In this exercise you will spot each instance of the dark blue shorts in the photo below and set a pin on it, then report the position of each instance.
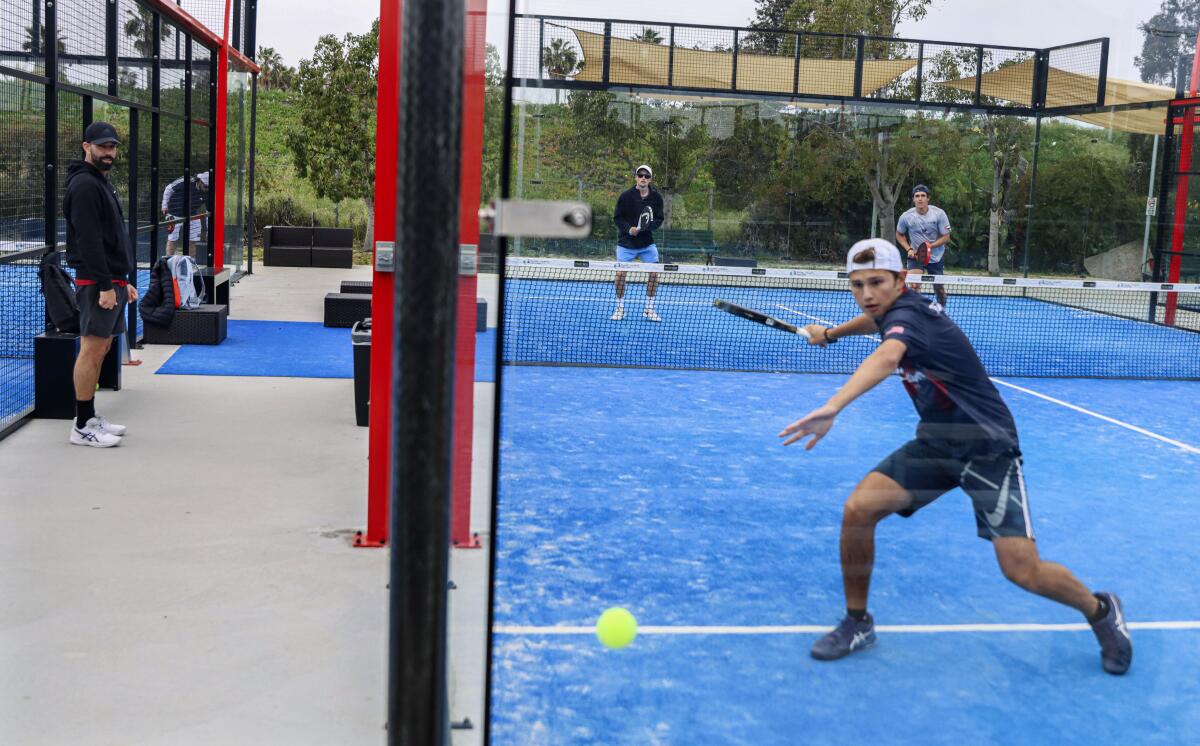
(933, 268)
(95, 321)
(995, 484)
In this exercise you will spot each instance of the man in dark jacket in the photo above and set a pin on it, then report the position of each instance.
(99, 249)
(639, 213)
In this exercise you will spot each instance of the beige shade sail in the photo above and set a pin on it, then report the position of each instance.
(1066, 88)
(642, 63)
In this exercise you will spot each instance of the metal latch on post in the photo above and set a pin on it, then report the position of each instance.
(468, 260)
(536, 218)
(385, 256)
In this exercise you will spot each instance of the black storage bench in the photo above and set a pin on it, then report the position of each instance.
(54, 373)
(333, 248)
(343, 309)
(356, 286)
(206, 325)
(287, 246)
(732, 261)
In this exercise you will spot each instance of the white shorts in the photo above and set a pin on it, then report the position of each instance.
(193, 232)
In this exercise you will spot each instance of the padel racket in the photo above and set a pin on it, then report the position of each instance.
(760, 318)
(923, 254)
(646, 218)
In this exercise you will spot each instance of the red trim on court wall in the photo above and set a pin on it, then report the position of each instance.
(387, 122)
(468, 234)
(192, 27)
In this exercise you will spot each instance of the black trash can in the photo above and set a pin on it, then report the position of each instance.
(360, 337)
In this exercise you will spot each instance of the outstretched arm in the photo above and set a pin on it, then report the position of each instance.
(861, 324)
(878, 366)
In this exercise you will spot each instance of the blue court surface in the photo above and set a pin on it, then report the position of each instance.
(294, 349)
(667, 492)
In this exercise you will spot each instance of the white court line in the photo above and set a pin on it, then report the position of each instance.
(1140, 430)
(1097, 415)
(812, 629)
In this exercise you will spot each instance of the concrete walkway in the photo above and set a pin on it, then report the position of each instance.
(196, 585)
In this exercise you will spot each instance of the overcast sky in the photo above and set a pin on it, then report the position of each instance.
(293, 26)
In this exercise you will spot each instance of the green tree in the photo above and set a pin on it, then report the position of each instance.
(139, 26)
(648, 36)
(560, 59)
(493, 124)
(1004, 137)
(1170, 34)
(274, 75)
(333, 143)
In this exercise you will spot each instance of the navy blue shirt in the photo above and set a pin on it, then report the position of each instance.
(961, 411)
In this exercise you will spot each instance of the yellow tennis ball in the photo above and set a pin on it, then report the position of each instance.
(616, 628)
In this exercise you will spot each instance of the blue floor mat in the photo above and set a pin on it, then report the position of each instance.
(292, 349)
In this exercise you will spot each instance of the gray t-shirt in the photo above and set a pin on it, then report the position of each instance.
(928, 227)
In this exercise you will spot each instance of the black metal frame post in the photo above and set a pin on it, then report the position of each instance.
(506, 169)
(210, 252)
(185, 228)
(50, 193)
(427, 213)
(250, 36)
(110, 44)
(733, 72)
(155, 136)
(131, 150)
(249, 221)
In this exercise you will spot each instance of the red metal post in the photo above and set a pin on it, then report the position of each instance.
(216, 233)
(382, 290)
(468, 229)
(1182, 185)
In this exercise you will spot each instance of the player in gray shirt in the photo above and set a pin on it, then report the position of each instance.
(923, 231)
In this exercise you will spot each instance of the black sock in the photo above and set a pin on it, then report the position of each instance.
(858, 614)
(84, 411)
(1101, 610)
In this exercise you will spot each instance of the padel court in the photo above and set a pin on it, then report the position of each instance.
(673, 497)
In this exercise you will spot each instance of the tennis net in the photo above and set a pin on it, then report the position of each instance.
(557, 312)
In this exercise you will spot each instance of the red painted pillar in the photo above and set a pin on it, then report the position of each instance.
(383, 287)
(468, 229)
(216, 233)
(1182, 184)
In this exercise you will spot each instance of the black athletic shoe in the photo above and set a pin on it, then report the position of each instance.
(1116, 647)
(849, 636)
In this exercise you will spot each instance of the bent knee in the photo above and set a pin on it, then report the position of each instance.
(1022, 574)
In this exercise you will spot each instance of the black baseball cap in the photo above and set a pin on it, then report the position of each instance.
(920, 188)
(101, 133)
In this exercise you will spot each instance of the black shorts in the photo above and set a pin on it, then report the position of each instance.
(995, 484)
(95, 321)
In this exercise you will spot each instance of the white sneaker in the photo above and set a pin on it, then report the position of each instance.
(618, 314)
(651, 315)
(111, 428)
(92, 435)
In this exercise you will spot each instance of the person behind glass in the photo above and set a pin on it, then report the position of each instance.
(99, 249)
(173, 206)
(639, 213)
(923, 231)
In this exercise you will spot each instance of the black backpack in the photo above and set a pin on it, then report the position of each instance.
(59, 289)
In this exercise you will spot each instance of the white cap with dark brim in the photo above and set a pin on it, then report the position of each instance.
(645, 168)
(887, 256)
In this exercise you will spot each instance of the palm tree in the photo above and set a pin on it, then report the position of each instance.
(560, 60)
(648, 36)
(35, 40)
(274, 75)
(139, 26)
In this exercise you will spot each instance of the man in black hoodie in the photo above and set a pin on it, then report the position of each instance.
(99, 250)
(638, 214)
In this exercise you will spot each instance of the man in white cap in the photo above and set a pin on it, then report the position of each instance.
(966, 439)
(639, 213)
(173, 207)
